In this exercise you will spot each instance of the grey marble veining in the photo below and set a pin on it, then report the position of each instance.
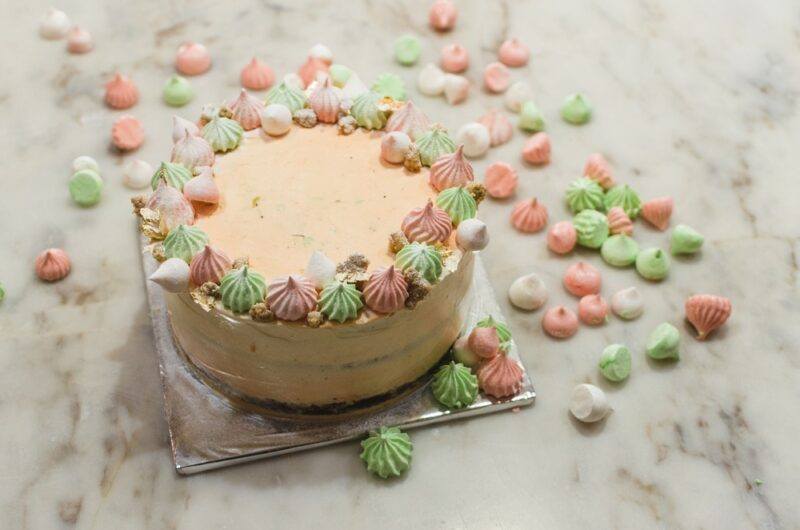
(695, 100)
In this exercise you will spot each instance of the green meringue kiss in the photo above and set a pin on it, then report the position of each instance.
(433, 144)
(652, 264)
(184, 242)
(576, 109)
(421, 257)
(390, 85)
(685, 240)
(339, 74)
(174, 174)
(458, 203)
(624, 197)
(615, 363)
(455, 386)
(86, 187)
(663, 342)
(592, 228)
(283, 94)
(407, 50)
(584, 194)
(366, 111)
(619, 250)
(224, 134)
(241, 289)
(387, 452)
(178, 91)
(531, 118)
(340, 301)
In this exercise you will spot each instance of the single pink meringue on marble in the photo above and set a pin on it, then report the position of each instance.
(499, 126)
(257, 75)
(192, 59)
(484, 342)
(560, 322)
(121, 92)
(561, 237)
(442, 15)
(592, 310)
(246, 109)
(513, 53)
(451, 170)
(454, 58)
(619, 222)
(192, 151)
(496, 77)
(386, 290)
(325, 102)
(500, 376)
(127, 133)
(291, 297)
(429, 224)
(408, 119)
(658, 211)
(707, 312)
(202, 189)
(308, 70)
(598, 169)
(529, 216)
(79, 40)
(181, 125)
(582, 278)
(536, 150)
(173, 207)
(209, 265)
(52, 265)
(500, 180)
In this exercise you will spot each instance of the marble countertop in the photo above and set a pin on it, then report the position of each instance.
(695, 100)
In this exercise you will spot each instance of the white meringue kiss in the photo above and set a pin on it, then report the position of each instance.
(180, 126)
(628, 303)
(394, 146)
(136, 174)
(528, 292)
(472, 234)
(54, 24)
(172, 275)
(588, 403)
(320, 269)
(456, 88)
(517, 94)
(276, 119)
(475, 138)
(431, 80)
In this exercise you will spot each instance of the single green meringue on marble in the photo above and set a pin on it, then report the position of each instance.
(387, 452)
(224, 134)
(367, 112)
(421, 257)
(576, 109)
(340, 301)
(85, 187)
(241, 289)
(433, 144)
(287, 96)
(685, 240)
(619, 250)
(2, 292)
(455, 386)
(531, 118)
(177, 91)
(592, 228)
(184, 242)
(503, 331)
(663, 342)
(458, 202)
(584, 194)
(652, 264)
(339, 74)
(174, 174)
(615, 362)
(390, 85)
(407, 50)
(624, 197)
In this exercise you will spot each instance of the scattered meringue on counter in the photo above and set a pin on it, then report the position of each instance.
(500, 180)
(685, 240)
(192, 58)
(136, 174)
(513, 53)
(54, 24)
(85, 162)
(518, 93)
(593, 310)
(172, 275)
(664, 342)
(79, 40)
(560, 322)
(561, 237)
(619, 222)
(472, 234)
(127, 133)
(615, 363)
(582, 279)
(442, 15)
(121, 92)
(484, 342)
(407, 50)
(528, 292)
(431, 80)
(85, 187)
(52, 265)
(627, 304)
(576, 109)
(657, 212)
(454, 58)
(257, 75)
(652, 264)
(706, 313)
(321, 52)
(177, 91)
(456, 88)
(529, 216)
(496, 77)
(588, 403)
(499, 126)
(474, 137)
(536, 149)
(598, 169)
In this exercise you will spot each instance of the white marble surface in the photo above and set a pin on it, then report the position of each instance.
(694, 99)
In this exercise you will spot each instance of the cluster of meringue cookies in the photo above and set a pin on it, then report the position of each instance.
(56, 25)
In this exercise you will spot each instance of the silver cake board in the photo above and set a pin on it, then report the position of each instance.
(208, 430)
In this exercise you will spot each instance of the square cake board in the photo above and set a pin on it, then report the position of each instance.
(207, 431)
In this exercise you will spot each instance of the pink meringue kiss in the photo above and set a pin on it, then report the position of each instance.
(246, 109)
(291, 297)
(560, 322)
(79, 40)
(529, 216)
(513, 53)
(619, 222)
(192, 151)
(581, 279)
(484, 342)
(454, 58)
(707, 312)
(121, 93)
(408, 119)
(429, 224)
(561, 237)
(52, 265)
(536, 150)
(174, 208)
(598, 169)
(500, 180)
(209, 265)
(442, 15)
(127, 133)
(308, 70)
(451, 170)
(658, 211)
(496, 77)
(386, 290)
(192, 59)
(500, 377)
(593, 310)
(499, 127)
(257, 75)
(325, 102)
(202, 189)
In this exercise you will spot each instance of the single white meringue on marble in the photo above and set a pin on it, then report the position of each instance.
(475, 138)
(353, 88)
(517, 94)
(320, 269)
(276, 119)
(54, 24)
(472, 234)
(180, 126)
(172, 275)
(628, 303)
(431, 80)
(321, 52)
(137, 174)
(528, 292)
(456, 88)
(394, 146)
(293, 80)
(588, 403)
(85, 162)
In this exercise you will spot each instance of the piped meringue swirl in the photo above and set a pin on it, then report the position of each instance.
(429, 224)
